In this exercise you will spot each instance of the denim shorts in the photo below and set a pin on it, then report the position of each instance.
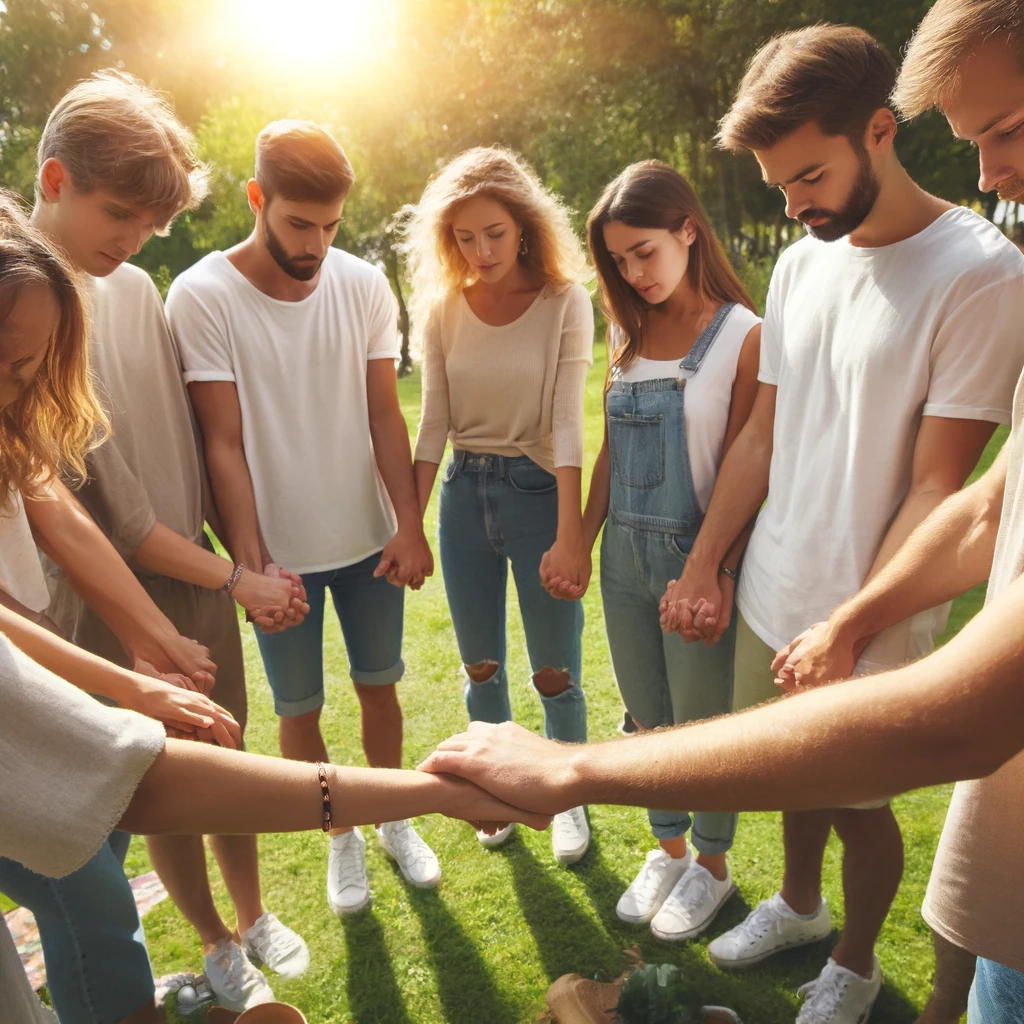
(370, 611)
(97, 966)
(997, 995)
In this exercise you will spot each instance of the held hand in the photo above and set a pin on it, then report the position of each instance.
(268, 599)
(461, 799)
(818, 656)
(173, 653)
(276, 619)
(185, 711)
(511, 763)
(565, 570)
(693, 604)
(406, 559)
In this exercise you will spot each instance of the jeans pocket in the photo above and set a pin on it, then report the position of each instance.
(449, 471)
(679, 545)
(637, 446)
(529, 478)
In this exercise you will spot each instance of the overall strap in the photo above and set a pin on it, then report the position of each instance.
(693, 359)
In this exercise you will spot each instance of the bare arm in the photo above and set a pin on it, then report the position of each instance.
(406, 558)
(174, 706)
(957, 714)
(270, 794)
(102, 579)
(944, 555)
(425, 474)
(599, 497)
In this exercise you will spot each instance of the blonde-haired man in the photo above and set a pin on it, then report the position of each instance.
(115, 167)
(289, 347)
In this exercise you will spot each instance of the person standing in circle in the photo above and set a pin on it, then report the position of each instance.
(684, 342)
(507, 337)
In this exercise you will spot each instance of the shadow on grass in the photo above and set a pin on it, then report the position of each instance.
(464, 983)
(568, 940)
(603, 885)
(371, 986)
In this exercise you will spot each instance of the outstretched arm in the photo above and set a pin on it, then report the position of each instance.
(957, 714)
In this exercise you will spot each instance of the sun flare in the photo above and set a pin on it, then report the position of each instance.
(308, 37)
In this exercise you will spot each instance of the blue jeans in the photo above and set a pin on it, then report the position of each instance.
(496, 510)
(371, 613)
(997, 995)
(97, 966)
(663, 680)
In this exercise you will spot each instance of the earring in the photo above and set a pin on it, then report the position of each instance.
(524, 249)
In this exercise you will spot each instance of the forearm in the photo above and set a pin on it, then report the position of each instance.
(169, 554)
(82, 669)
(598, 499)
(236, 502)
(570, 516)
(954, 715)
(943, 557)
(267, 794)
(740, 490)
(425, 473)
(391, 450)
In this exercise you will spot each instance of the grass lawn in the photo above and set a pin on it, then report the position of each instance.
(485, 945)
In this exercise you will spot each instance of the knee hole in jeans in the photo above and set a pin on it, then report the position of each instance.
(482, 671)
(551, 682)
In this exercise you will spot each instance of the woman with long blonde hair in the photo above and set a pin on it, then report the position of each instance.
(506, 332)
(684, 342)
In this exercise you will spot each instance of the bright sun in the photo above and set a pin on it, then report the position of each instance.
(301, 35)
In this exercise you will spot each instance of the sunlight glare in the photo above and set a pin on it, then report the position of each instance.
(303, 35)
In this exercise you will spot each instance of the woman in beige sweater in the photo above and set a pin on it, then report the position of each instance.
(507, 336)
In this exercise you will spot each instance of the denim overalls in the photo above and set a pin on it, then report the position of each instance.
(653, 518)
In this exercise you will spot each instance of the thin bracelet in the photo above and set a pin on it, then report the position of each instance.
(325, 793)
(236, 575)
(731, 573)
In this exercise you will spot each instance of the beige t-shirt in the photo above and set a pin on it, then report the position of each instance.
(69, 766)
(511, 390)
(975, 896)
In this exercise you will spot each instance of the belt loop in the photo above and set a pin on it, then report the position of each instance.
(501, 467)
(460, 459)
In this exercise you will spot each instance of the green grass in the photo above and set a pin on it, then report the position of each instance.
(484, 946)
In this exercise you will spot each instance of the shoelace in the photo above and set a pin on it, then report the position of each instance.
(408, 845)
(233, 969)
(822, 997)
(696, 886)
(760, 920)
(569, 824)
(649, 881)
(272, 940)
(350, 864)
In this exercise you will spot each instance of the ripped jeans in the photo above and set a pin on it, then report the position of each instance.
(495, 511)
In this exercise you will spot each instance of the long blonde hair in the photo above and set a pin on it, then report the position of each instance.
(551, 251)
(57, 420)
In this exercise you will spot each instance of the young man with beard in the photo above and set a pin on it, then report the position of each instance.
(890, 347)
(115, 167)
(289, 349)
(967, 58)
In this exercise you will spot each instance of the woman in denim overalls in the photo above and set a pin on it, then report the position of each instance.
(684, 346)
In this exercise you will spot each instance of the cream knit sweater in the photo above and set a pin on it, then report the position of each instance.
(511, 390)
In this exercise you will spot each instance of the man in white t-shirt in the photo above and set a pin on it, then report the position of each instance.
(889, 351)
(289, 348)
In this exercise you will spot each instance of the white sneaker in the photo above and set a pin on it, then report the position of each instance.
(772, 926)
(416, 860)
(839, 996)
(649, 890)
(692, 905)
(498, 838)
(348, 888)
(235, 982)
(570, 835)
(282, 950)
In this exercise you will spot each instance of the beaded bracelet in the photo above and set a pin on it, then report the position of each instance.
(325, 793)
(236, 575)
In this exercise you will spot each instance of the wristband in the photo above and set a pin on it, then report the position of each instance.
(236, 575)
(325, 794)
(733, 574)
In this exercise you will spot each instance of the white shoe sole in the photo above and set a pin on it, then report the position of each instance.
(759, 958)
(698, 929)
(636, 919)
(347, 910)
(567, 857)
(492, 842)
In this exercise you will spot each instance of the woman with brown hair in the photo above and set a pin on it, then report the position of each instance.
(683, 345)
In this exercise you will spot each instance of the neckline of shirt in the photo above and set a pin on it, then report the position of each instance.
(284, 303)
(501, 327)
(867, 251)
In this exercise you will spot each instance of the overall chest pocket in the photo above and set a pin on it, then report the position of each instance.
(637, 446)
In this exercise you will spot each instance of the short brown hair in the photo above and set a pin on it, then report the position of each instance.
(946, 37)
(111, 132)
(300, 161)
(835, 75)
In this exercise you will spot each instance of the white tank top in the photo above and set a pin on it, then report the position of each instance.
(707, 398)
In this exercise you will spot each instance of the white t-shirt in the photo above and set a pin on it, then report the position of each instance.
(861, 344)
(707, 398)
(300, 368)
(21, 572)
